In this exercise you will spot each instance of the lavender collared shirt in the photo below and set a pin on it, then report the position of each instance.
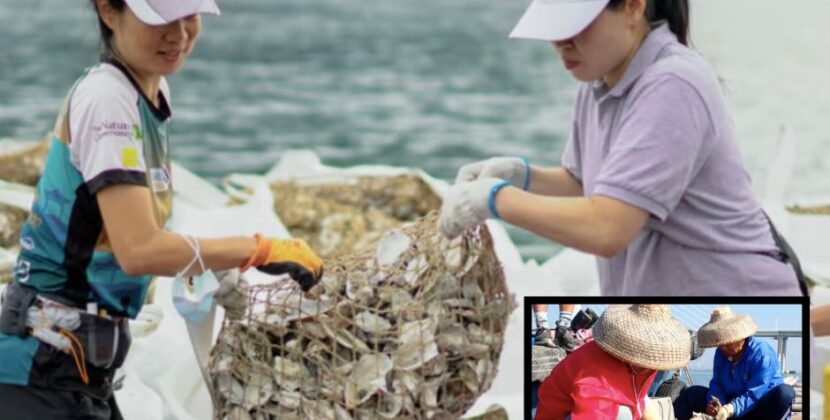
(662, 140)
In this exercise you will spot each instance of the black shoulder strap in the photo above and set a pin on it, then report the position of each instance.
(788, 255)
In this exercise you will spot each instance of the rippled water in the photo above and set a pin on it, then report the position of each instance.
(428, 83)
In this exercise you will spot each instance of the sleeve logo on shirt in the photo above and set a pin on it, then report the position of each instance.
(159, 179)
(112, 129)
(129, 157)
(137, 134)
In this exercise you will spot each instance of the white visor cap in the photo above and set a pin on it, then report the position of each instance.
(162, 12)
(557, 20)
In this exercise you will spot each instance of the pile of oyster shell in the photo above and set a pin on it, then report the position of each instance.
(812, 210)
(412, 328)
(340, 218)
(11, 221)
(22, 161)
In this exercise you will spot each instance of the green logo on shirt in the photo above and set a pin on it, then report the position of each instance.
(137, 135)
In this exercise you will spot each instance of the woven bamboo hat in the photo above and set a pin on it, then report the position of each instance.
(644, 335)
(724, 327)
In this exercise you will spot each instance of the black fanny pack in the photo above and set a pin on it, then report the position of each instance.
(103, 342)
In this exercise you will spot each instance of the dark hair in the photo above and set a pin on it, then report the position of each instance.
(106, 32)
(676, 12)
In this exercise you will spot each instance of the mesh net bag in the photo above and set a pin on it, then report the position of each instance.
(409, 328)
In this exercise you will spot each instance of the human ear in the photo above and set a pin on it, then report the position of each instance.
(636, 10)
(106, 13)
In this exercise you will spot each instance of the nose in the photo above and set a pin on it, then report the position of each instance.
(176, 31)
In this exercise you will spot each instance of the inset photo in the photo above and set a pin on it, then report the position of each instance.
(656, 361)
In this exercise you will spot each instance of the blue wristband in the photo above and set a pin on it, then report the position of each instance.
(527, 174)
(492, 201)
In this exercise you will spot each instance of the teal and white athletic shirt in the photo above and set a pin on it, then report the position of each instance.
(108, 132)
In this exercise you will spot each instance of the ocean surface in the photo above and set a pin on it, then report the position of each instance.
(430, 83)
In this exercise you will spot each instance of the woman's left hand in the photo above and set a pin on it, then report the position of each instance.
(468, 204)
(725, 412)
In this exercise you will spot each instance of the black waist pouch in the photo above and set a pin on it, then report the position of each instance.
(106, 342)
(16, 302)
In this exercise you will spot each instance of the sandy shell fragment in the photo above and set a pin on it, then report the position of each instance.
(472, 291)
(485, 371)
(307, 309)
(372, 323)
(469, 376)
(480, 335)
(405, 382)
(452, 339)
(238, 413)
(347, 339)
(289, 374)
(368, 377)
(317, 409)
(415, 269)
(259, 389)
(454, 255)
(389, 405)
(458, 303)
(254, 394)
(391, 246)
(435, 367)
(287, 399)
(417, 331)
(414, 354)
(429, 395)
(341, 413)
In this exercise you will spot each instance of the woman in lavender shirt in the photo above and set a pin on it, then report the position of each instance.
(652, 181)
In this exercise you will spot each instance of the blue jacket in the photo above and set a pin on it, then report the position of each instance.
(756, 373)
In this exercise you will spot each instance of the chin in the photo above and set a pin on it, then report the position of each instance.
(167, 69)
(583, 76)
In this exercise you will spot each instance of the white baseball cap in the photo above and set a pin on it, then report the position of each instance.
(555, 20)
(162, 12)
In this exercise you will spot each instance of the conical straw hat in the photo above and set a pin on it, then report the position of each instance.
(644, 335)
(725, 327)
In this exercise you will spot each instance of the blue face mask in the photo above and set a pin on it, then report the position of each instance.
(194, 305)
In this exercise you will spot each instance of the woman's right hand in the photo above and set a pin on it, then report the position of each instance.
(514, 170)
(287, 256)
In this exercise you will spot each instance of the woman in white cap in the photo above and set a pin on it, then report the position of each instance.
(746, 377)
(652, 180)
(96, 232)
(609, 378)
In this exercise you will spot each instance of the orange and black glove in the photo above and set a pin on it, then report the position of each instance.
(286, 256)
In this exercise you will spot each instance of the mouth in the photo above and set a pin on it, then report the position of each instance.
(171, 56)
(570, 64)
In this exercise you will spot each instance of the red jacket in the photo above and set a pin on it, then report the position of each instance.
(590, 384)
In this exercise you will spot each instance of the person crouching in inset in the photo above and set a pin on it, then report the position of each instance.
(746, 377)
(609, 378)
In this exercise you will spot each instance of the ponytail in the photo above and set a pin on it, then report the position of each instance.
(675, 12)
(106, 32)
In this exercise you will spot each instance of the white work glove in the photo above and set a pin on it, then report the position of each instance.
(468, 205)
(147, 320)
(514, 170)
(726, 411)
(232, 293)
